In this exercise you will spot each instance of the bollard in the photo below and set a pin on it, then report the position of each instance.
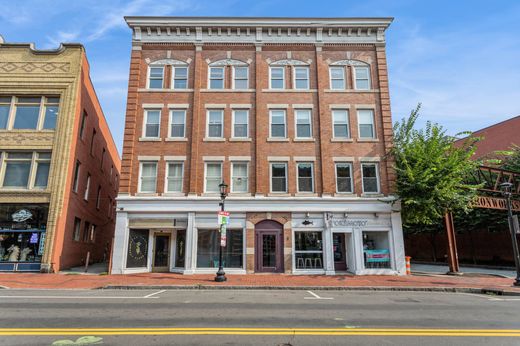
(408, 266)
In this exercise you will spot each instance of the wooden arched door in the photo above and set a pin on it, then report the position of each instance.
(269, 247)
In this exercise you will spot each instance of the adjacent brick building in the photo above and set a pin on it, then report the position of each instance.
(292, 113)
(59, 166)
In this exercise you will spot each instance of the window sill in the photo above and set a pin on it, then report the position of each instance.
(227, 90)
(172, 139)
(239, 194)
(173, 194)
(339, 140)
(145, 139)
(367, 140)
(351, 91)
(147, 194)
(306, 194)
(209, 139)
(345, 194)
(240, 139)
(270, 139)
(279, 194)
(164, 90)
(304, 140)
(372, 195)
(210, 194)
(289, 90)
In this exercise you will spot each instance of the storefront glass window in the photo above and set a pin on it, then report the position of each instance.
(137, 256)
(376, 250)
(208, 243)
(308, 249)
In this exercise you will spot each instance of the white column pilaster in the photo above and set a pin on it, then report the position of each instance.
(120, 243)
(191, 251)
(398, 242)
(328, 252)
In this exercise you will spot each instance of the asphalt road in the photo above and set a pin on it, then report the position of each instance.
(255, 317)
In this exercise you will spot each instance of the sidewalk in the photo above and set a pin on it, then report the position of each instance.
(268, 281)
(443, 269)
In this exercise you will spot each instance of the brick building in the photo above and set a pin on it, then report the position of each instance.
(292, 113)
(59, 166)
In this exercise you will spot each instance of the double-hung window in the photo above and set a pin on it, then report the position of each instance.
(239, 177)
(240, 77)
(180, 77)
(87, 188)
(51, 112)
(174, 177)
(240, 123)
(177, 123)
(43, 165)
(370, 177)
(216, 77)
(27, 113)
(77, 170)
(215, 123)
(340, 123)
(213, 177)
(5, 108)
(301, 77)
(152, 123)
(277, 78)
(305, 177)
(278, 127)
(362, 80)
(77, 229)
(279, 177)
(303, 123)
(25, 170)
(337, 78)
(83, 125)
(366, 123)
(344, 177)
(156, 77)
(98, 197)
(148, 179)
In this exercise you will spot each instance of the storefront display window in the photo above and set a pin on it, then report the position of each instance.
(376, 250)
(137, 256)
(308, 249)
(208, 243)
(22, 235)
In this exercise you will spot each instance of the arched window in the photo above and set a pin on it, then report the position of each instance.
(299, 71)
(179, 74)
(360, 72)
(239, 74)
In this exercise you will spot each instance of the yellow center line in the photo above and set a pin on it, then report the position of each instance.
(263, 331)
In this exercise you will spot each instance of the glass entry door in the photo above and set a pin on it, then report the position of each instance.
(269, 247)
(161, 254)
(339, 250)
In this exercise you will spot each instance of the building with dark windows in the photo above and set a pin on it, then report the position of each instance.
(292, 113)
(59, 166)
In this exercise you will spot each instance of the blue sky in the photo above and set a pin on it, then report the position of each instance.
(460, 59)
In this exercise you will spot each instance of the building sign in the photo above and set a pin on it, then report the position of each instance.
(22, 215)
(377, 256)
(223, 217)
(137, 255)
(345, 222)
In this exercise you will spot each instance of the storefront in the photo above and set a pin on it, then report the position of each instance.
(22, 236)
(160, 237)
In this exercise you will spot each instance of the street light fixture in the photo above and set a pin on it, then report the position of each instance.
(507, 192)
(221, 275)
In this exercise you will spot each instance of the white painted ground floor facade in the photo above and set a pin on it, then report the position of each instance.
(312, 235)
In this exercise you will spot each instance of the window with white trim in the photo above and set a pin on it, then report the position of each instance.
(51, 107)
(240, 123)
(152, 123)
(308, 249)
(279, 177)
(239, 177)
(174, 177)
(278, 124)
(5, 109)
(303, 123)
(213, 177)
(337, 77)
(340, 123)
(277, 77)
(177, 123)
(305, 177)
(370, 177)
(344, 177)
(366, 123)
(180, 77)
(301, 77)
(215, 123)
(362, 80)
(29, 112)
(156, 77)
(25, 170)
(87, 188)
(240, 77)
(148, 177)
(216, 77)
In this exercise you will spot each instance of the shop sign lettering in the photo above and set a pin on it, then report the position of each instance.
(21, 215)
(349, 223)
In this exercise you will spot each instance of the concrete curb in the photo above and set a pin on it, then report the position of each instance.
(494, 291)
(468, 275)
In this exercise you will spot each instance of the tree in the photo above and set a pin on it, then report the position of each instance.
(431, 171)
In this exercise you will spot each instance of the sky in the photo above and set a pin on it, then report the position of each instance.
(459, 59)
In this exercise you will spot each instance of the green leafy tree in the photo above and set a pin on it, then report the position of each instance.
(431, 172)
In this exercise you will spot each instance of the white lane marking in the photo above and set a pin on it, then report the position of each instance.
(151, 295)
(315, 296)
(72, 297)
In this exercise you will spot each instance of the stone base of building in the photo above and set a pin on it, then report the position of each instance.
(322, 236)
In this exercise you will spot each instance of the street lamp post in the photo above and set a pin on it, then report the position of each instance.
(506, 191)
(221, 275)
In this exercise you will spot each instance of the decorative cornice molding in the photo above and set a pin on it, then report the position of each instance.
(34, 67)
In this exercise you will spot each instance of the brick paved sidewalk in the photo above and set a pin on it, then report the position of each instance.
(437, 282)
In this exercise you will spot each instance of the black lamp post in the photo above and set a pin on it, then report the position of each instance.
(221, 276)
(506, 191)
